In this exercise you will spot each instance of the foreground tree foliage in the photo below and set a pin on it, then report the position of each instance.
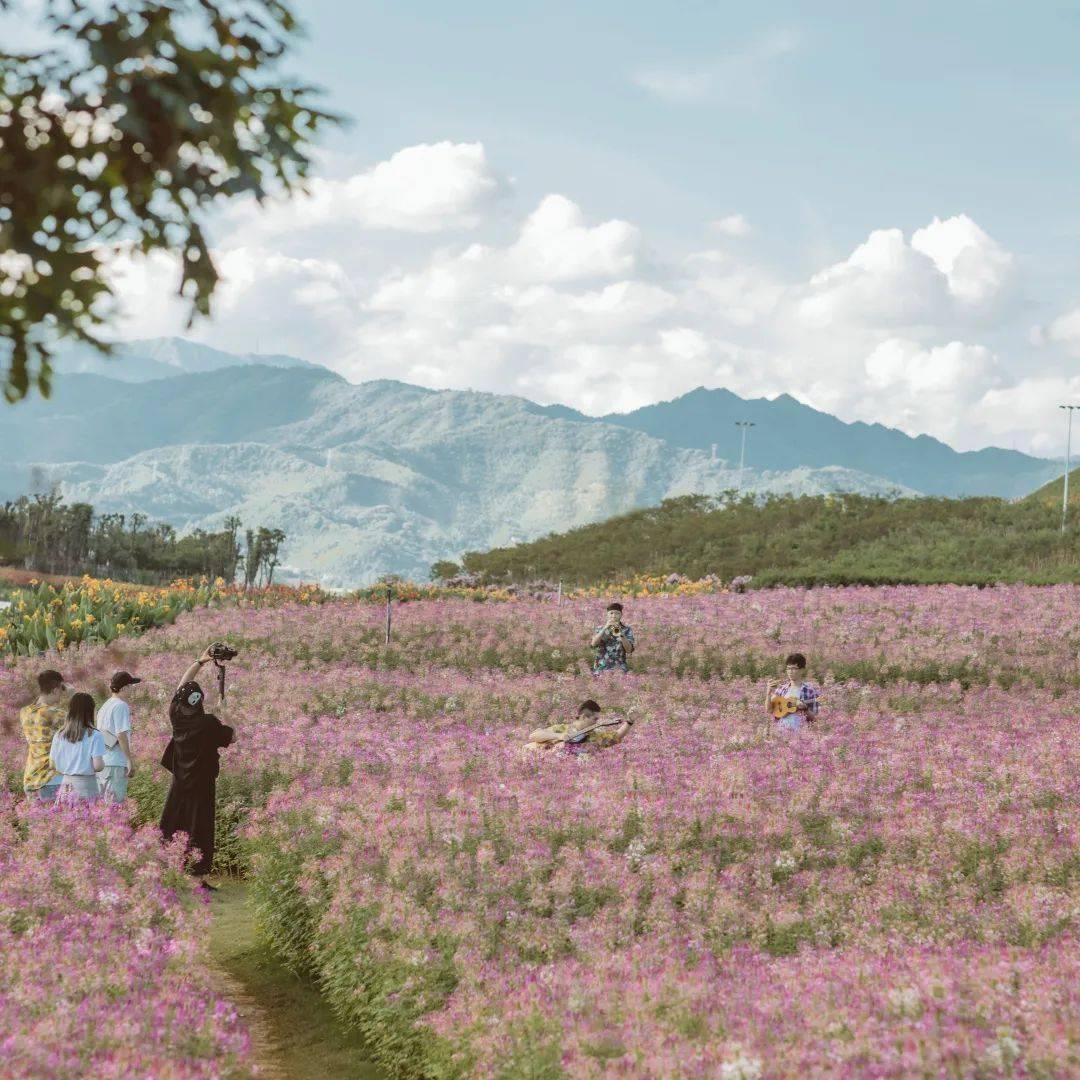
(118, 141)
(831, 539)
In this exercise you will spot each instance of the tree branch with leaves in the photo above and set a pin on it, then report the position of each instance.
(119, 141)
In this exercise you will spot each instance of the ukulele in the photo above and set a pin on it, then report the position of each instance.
(785, 706)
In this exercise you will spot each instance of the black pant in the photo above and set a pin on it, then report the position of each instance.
(191, 810)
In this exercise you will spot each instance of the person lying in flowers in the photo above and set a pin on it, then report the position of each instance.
(613, 642)
(586, 733)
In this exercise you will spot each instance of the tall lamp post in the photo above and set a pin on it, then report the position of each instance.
(1069, 409)
(745, 425)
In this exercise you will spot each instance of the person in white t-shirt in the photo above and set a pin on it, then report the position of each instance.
(114, 723)
(77, 752)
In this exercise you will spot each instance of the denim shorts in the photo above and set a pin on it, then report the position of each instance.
(47, 792)
(113, 781)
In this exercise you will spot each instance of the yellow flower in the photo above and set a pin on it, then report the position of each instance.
(76, 624)
(3, 632)
(90, 620)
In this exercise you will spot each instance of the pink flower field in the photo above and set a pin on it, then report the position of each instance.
(99, 937)
(889, 893)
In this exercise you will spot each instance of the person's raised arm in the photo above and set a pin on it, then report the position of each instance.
(620, 732)
(598, 638)
(195, 668)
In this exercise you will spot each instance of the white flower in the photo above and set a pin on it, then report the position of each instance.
(635, 852)
(1004, 1052)
(906, 1000)
(741, 1067)
(785, 861)
(109, 897)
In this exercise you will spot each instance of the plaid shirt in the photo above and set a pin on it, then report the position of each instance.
(807, 693)
(39, 724)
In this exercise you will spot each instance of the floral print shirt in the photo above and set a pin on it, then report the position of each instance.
(610, 654)
(39, 724)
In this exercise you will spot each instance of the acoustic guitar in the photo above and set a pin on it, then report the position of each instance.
(785, 706)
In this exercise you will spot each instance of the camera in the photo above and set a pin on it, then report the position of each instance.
(220, 651)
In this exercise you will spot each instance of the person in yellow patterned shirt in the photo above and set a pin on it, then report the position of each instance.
(40, 722)
(585, 734)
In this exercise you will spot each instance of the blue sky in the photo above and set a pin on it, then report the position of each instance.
(871, 206)
(819, 121)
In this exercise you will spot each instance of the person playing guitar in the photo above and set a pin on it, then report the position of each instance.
(794, 702)
(587, 732)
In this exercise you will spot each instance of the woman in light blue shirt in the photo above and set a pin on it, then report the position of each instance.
(78, 752)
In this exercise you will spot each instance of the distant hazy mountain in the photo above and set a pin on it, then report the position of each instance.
(363, 479)
(160, 358)
(788, 434)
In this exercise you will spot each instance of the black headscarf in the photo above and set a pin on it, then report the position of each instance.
(192, 753)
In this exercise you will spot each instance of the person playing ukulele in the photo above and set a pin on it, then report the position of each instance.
(795, 702)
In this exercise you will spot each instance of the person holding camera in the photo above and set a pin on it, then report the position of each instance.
(193, 758)
(613, 642)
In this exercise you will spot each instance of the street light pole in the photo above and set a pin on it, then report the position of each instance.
(744, 425)
(1068, 458)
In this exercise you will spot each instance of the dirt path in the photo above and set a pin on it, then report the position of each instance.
(294, 1035)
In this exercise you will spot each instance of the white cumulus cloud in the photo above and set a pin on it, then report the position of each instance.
(976, 267)
(556, 245)
(1064, 330)
(427, 188)
(565, 306)
(951, 270)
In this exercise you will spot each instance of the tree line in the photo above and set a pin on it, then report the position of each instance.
(44, 534)
(808, 540)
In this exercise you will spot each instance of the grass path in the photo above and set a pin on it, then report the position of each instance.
(294, 1034)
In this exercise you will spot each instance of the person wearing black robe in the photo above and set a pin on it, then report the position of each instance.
(192, 757)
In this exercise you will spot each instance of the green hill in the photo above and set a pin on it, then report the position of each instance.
(844, 539)
(1050, 494)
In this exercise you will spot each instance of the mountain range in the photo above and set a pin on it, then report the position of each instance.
(788, 434)
(387, 477)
